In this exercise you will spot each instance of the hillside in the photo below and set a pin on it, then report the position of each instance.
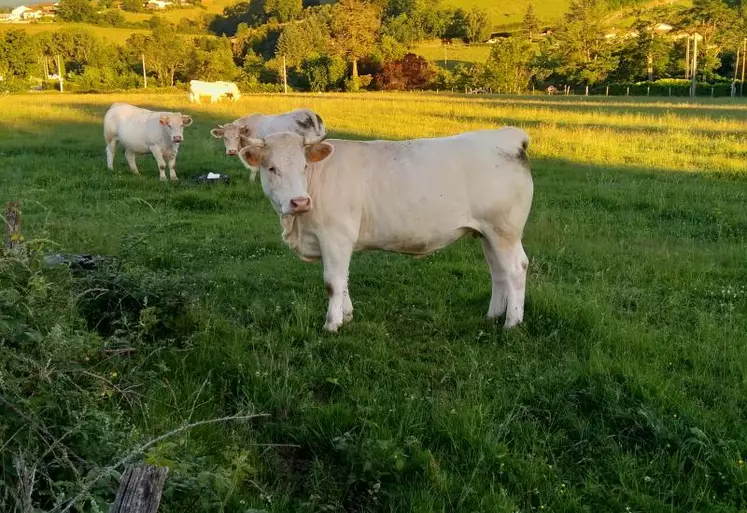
(114, 35)
(506, 13)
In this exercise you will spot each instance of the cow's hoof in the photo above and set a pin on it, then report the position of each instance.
(163, 178)
(331, 327)
(175, 179)
(511, 323)
(347, 317)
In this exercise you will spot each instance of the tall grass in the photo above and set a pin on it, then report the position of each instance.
(622, 391)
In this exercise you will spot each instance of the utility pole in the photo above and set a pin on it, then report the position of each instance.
(285, 78)
(59, 72)
(744, 50)
(687, 58)
(145, 77)
(694, 86)
(445, 60)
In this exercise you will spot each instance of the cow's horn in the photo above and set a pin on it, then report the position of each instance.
(308, 141)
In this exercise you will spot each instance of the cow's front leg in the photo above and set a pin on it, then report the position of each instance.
(336, 260)
(158, 155)
(172, 168)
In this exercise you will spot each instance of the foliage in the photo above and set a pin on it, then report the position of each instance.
(132, 5)
(75, 10)
(583, 53)
(508, 68)
(324, 73)
(282, 11)
(410, 72)
(17, 55)
(354, 27)
(530, 24)
(211, 60)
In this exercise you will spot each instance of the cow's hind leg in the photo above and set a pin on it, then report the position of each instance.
(111, 147)
(131, 161)
(508, 271)
(336, 260)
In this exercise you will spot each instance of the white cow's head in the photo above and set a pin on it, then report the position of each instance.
(173, 124)
(231, 134)
(282, 159)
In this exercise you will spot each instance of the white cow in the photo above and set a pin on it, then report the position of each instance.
(215, 90)
(414, 197)
(141, 131)
(304, 122)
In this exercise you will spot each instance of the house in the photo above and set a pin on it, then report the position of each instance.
(158, 4)
(17, 14)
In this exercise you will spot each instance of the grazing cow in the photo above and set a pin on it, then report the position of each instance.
(142, 131)
(303, 122)
(415, 197)
(215, 90)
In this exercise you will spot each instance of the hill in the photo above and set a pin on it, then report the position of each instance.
(114, 35)
(506, 13)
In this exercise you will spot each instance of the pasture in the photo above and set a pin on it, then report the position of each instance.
(623, 390)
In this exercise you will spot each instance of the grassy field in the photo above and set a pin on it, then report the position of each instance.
(115, 35)
(624, 389)
(455, 54)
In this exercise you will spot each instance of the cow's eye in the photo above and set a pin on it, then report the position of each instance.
(273, 170)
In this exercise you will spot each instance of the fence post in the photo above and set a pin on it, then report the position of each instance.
(670, 90)
(140, 490)
(607, 91)
(627, 92)
(587, 90)
(712, 88)
(648, 91)
(13, 237)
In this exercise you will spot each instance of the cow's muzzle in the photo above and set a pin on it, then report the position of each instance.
(232, 152)
(178, 138)
(300, 205)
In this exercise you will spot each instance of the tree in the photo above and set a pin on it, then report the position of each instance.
(75, 10)
(508, 68)
(300, 41)
(645, 56)
(324, 72)
(132, 5)
(17, 54)
(355, 25)
(211, 59)
(581, 50)
(478, 25)
(410, 72)
(282, 11)
(530, 24)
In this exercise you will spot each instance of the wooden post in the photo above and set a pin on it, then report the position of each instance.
(648, 91)
(712, 88)
(587, 90)
(13, 237)
(285, 78)
(670, 90)
(687, 58)
(446, 62)
(145, 77)
(140, 490)
(607, 91)
(627, 91)
(694, 84)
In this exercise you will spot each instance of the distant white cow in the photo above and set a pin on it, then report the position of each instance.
(414, 197)
(141, 131)
(215, 90)
(235, 135)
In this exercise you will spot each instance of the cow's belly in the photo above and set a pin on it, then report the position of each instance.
(413, 243)
(136, 144)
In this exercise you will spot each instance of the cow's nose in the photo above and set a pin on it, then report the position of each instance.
(177, 138)
(232, 152)
(300, 204)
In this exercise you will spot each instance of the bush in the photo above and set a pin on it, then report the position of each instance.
(410, 72)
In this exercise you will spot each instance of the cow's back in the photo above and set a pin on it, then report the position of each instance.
(132, 125)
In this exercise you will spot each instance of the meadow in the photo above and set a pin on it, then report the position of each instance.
(623, 390)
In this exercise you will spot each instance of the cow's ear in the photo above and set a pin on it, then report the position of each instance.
(217, 132)
(251, 156)
(319, 151)
(164, 120)
(186, 120)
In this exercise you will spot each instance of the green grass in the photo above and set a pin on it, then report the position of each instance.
(624, 389)
(505, 13)
(175, 14)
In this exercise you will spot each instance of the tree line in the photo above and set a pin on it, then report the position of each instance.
(356, 44)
